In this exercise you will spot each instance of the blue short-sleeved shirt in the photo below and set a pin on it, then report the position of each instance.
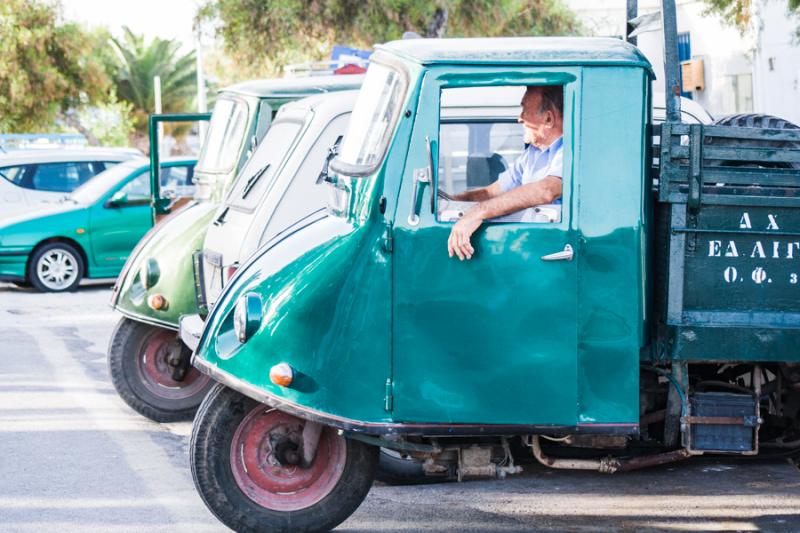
(532, 165)
(535, 164)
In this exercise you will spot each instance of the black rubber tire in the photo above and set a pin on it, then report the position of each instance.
(125, 346)
(754, 120)
(214, 426)
(34, 280)
(397, 470)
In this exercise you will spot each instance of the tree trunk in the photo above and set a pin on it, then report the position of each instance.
(73, 122)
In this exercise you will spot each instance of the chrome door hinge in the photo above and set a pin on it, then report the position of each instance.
(388, 240)
(388, 399)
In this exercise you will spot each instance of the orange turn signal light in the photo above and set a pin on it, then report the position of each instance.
(156, 302)
(281, 374)
(80, 231)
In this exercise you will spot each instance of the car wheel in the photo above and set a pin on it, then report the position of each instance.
(142, 362)
(56, 267)
(245, 477)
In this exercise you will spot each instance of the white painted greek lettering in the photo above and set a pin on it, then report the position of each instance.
(730, 275)
(731, 250)
(790, 248)
(758, 249)
(713, 248)
(773, 225)
(744, 223)
(775, 250)
(759, 275)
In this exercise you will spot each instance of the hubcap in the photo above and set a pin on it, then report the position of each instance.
(156, 372)
(57, 269)
(263, 450)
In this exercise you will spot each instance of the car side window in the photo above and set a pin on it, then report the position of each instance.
(138, 189)
(14, 174)
(61, 177)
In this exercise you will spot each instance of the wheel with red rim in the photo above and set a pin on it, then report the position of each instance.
(150, 369)
(247, 466)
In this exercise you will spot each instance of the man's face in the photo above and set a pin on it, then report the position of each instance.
(535, 123)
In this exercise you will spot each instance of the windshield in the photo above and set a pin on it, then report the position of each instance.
(223, 144)
(94, 189)
(373, 119)
(263, 165)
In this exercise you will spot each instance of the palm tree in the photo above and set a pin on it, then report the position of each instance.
(139, 62)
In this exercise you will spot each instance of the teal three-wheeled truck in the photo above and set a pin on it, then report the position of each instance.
(650, 316)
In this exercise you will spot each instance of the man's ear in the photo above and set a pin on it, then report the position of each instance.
(549, 118)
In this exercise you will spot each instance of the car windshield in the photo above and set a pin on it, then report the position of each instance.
(373, 119)
(94, 189)
(263, 165)
(223, 144)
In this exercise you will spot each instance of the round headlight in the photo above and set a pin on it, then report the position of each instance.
(247, 316)
(149, 273)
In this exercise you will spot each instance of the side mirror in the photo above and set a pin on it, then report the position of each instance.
(119, 199)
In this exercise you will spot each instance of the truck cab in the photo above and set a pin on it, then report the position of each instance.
(149, 364)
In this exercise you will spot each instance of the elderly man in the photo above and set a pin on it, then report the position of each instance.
(535, 178)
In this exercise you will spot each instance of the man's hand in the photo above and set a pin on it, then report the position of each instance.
(458, 242)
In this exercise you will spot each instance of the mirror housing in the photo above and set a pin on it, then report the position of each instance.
(119, 199)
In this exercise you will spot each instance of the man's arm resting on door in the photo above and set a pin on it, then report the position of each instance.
(544, 191)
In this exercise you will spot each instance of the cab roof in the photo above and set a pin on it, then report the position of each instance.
(281, 88)
(590, 51)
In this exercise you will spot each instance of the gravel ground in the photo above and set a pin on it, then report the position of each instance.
(73, 457)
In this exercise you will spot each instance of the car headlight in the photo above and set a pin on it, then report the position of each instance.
(247, 316)
(149, 273)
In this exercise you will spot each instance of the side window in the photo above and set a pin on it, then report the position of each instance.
(476, 154)
(14, 174)
(138, 189)
(179, 180)
(491, 153)
(61, 177)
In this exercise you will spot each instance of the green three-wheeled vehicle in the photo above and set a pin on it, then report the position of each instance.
(649, 316)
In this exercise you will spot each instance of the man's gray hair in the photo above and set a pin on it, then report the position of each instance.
(552, 98)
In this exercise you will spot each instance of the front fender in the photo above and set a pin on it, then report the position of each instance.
(171, 244)
(325, 295)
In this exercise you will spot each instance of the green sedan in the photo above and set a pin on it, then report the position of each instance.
(91, 232)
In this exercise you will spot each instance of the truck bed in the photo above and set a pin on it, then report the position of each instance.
(727, 244)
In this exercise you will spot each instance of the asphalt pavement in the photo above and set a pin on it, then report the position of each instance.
(75, 458)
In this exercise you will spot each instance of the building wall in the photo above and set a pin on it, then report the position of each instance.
(755, 72)
(776, 62)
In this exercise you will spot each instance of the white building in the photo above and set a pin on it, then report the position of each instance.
(758, 72)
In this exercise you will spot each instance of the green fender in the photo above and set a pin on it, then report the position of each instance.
(171, 245)
(325, 296)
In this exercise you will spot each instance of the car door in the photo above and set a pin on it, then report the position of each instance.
(115, 229)
(491, 340)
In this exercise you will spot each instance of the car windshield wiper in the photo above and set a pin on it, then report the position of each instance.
(252, 180)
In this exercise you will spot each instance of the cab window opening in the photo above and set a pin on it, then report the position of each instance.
(513, 143)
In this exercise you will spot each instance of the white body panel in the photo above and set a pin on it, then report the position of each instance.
(17, 200)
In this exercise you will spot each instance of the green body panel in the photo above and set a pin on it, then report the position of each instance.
(173, 242)
(463, 342)
(104, 235)
(172, 251)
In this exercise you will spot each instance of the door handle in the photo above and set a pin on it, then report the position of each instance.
(564, 255)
